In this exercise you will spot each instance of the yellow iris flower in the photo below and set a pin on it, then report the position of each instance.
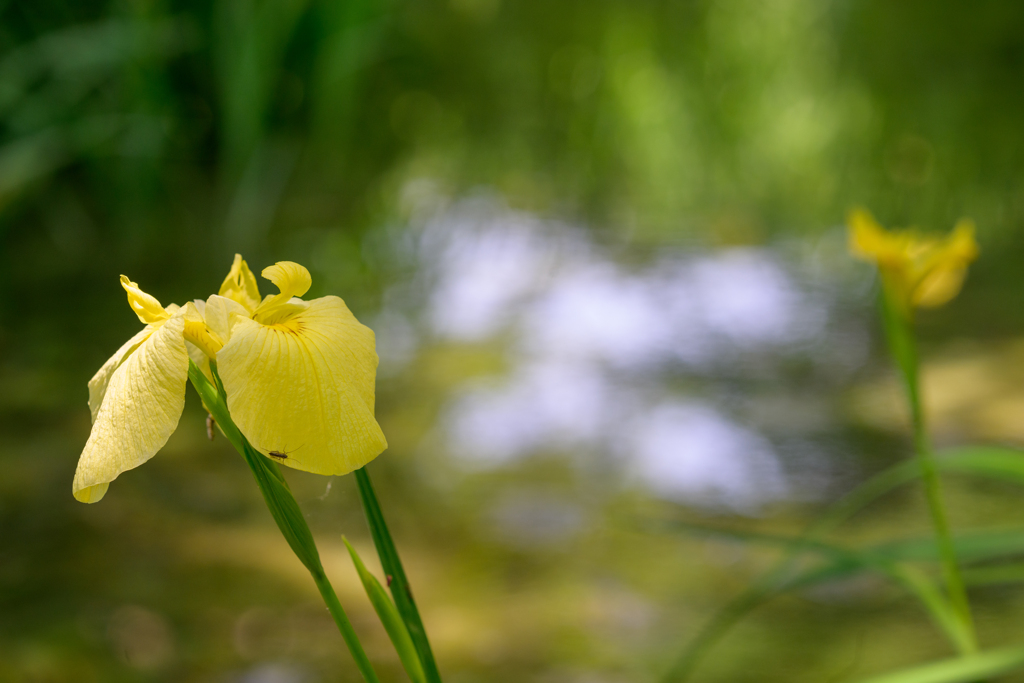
(919, 271)
(299, 377)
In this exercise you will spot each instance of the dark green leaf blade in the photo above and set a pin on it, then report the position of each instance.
(399, 584)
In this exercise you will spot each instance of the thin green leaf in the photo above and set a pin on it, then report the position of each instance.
(972, 547)
(986, 576)
(960, 670)
(389, 617)
(850, 560)
(399, 584)
(993, 462)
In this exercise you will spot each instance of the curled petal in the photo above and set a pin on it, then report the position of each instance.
(240, 285)
(143, 401)
(305, 387)
(145, 306)
(293, 280)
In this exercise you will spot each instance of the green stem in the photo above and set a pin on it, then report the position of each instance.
(397, 581)
(283, 508)
(345, 626)
(899, 333)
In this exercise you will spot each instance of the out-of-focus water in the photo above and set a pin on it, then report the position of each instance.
(645, 363)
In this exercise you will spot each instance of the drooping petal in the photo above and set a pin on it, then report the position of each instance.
(140, 410)
(305, 387)
(99, 381)
(240, 285)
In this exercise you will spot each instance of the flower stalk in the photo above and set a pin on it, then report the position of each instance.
(898, 323)
(283, 508)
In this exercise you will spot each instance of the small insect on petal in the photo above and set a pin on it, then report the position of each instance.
(278, 454)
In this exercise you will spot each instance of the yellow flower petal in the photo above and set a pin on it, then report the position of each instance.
(305, 387)
(198, 334)
(871, 242)
(917, 270)
(293, 280)
(199, 357)
(942, 275)
(219, 313)
(240, 285)
(98, 383)
(140, 410)
(939, 286)
(145, 306)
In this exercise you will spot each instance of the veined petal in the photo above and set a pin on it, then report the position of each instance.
(98, 383)
(140, 410)
(240, 285)
(305, 387)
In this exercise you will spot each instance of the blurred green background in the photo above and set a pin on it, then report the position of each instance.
(600, 243)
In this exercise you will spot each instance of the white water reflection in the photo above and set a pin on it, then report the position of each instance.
(598, 350)
(690, 451)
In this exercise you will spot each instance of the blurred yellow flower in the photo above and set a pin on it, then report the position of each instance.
(299, 377)
(918, 271)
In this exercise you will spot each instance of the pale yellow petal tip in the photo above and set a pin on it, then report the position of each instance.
(146, 306)
(291, 278)
(91, 494)
(240, 285)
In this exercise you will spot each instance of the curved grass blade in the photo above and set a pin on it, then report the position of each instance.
(987, 461)
(966, 669)
(399, 584)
